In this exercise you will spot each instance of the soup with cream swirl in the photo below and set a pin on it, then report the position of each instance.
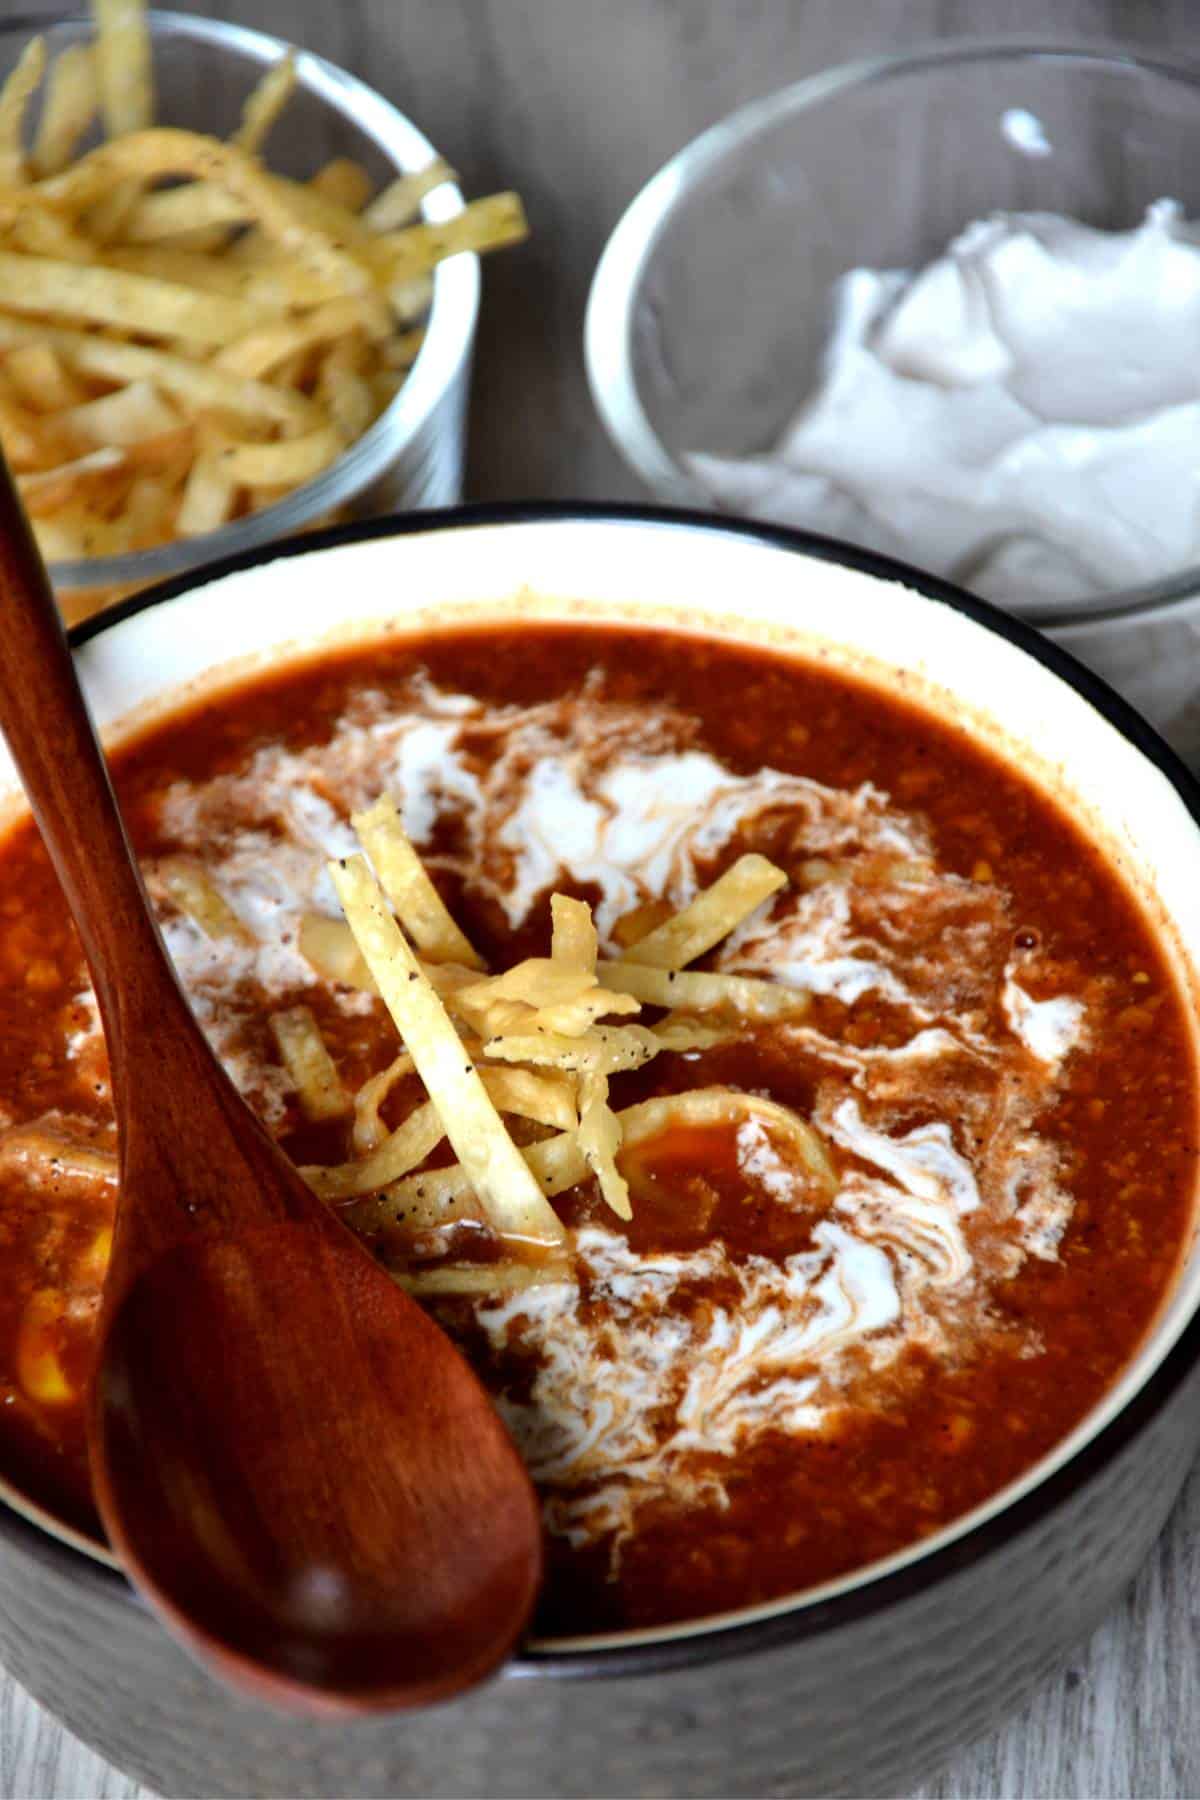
(866, 1179)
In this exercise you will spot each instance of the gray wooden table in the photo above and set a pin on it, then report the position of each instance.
(575, 103)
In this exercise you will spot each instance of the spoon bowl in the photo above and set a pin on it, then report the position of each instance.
(297, 1580)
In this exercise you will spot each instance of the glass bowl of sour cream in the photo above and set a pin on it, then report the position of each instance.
(946, 306)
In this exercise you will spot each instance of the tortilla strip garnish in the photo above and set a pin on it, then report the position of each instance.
(15, 96)
(606, 1047)
(438, 1196)
(125, 64)
(403, 1149)
(405, 881)
(599, 1138)
(498, 1173)
(721, 1106)
(308, 1062)
(194, 893)
(574, 1018)
(712, 915)
(559, 1163)
(478, 1278)
(328, 944)
(696, 990)
(68, 108)
(679, 1033)
(369, 1129)
(538, 981)
(573, 939)
(265, 104)
(547, 1099)
(54, 1155)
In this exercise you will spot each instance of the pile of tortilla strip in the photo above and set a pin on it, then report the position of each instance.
(536, 1042)
(185, 335)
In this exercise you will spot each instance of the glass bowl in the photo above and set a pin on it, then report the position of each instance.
(710, 307)
(413, 453)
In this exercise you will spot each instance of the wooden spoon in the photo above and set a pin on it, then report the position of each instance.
(295, 1466)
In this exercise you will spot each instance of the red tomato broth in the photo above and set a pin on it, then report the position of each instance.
(938, 1436)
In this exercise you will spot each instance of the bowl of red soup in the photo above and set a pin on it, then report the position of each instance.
(816, 1192)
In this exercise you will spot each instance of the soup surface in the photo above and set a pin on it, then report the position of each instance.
(801, 1352)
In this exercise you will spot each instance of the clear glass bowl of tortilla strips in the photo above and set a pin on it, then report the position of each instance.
(238, 295)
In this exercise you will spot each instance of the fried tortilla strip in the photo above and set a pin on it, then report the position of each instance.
(559, 1163)
(285, 464)
(308, 1062)
(346, 395)
(572, 1018)
(484, 1015)
(328, 944)
(547, 1099)
(71, 97)
(125, 65)
(199, 384)
(678, 1033)
(438, 1196)
(407, 884)
(265, 104)
(499, 1175)
(278, 285)
(135, 303)
(42, 380)
(105, 221)
(694, 990)
(608, 1048)
(700, 1107)
(15, 96)
(403, 1149)
(343, 181)
(553, 996)
(399, 203)
(282, 210)
(125, 417)
(711, 916)
(186, 212)
(537, 981)
(208, 496)
(488, 224)
(479, 1279)
(369, 1129)
(262, 350)
(573, 940)
(639, 922)
(44, 233)
(599, 1138)
(194, 893)
(40, 1150)
(48, 490)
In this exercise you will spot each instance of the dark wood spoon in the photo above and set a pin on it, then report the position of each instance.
(294, 1464)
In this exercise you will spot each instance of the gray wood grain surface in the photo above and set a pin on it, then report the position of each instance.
(575, 103)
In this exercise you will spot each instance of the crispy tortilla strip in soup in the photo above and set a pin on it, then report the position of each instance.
(786, 1109)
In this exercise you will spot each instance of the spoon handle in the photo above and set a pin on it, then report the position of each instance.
(44, 717)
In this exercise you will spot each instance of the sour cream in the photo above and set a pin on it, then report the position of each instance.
(1023, 415)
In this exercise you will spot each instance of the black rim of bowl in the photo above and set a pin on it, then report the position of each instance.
(805, 1619)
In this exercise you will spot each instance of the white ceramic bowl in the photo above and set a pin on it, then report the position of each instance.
(846, 1686)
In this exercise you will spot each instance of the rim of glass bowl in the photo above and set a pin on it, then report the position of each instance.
(448, 337)
(608, 319)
